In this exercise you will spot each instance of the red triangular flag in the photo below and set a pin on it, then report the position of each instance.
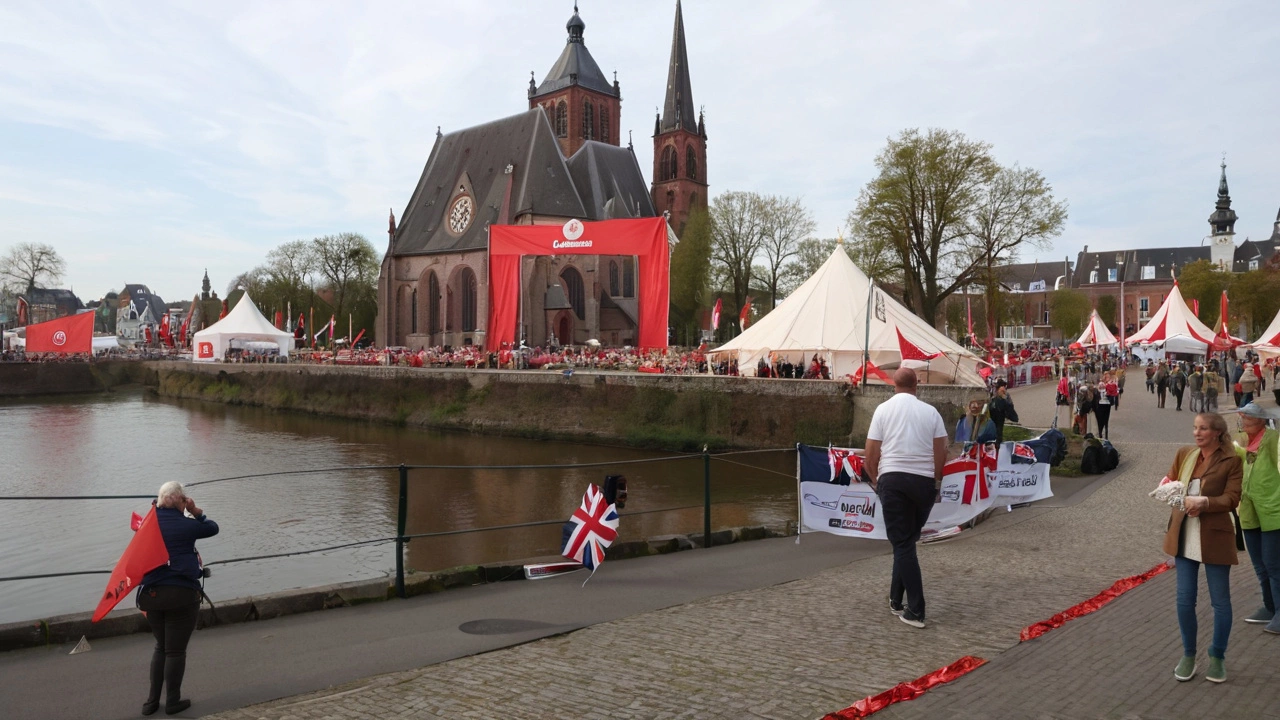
(145, 552)
(910, 351)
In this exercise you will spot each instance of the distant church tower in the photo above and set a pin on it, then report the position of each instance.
(1223, 224)
(579, 100)
(679, 141)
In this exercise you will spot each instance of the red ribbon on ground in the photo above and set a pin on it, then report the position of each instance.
(1092, 604)
(908, 690)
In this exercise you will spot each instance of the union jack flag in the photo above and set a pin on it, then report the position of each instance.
(595, 526)
(844, 459)
(1022, 454)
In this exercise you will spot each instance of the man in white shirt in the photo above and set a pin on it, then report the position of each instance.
(906, 449)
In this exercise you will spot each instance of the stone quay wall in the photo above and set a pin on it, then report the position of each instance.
(34, 379)
(645, 410)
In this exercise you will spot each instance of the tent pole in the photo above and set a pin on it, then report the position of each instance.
(866, 335)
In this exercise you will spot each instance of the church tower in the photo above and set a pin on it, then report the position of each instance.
(579, 101)
(1223, 226)
(679, 141)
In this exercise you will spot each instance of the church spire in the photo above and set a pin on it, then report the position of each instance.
(1223, 193)
(677, 112)
(1222, 224)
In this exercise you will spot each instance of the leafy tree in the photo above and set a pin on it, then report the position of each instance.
(810, 254)
(1107, 307)
(1204, 282)
(690, 271)
(348, 264)
(737, 231)
(1255, 297)
(1016, 209)
(1068, 311)
(786, 223)
(27, 266)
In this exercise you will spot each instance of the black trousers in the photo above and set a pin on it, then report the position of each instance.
(1103, 415)
(1177, 395)
(171, 612)
(907, 501)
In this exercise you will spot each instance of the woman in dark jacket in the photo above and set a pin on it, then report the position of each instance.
(1204, 534)
(170, 595)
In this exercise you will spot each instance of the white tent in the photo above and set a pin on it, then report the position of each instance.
(1096, 333)
(826, 316)
(1175, 328)
(1268, 344)
(244, 322)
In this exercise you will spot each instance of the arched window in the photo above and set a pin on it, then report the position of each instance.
(588, 119)
(433, 304)
(468, 300)
(693, 200)
(604, 124)
(691, 163)
(628, 278)
(613, 278)
(573, 288)
(413, 312)
(668, 169)
(562, 119)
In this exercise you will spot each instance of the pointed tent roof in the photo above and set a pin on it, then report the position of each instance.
(1174, 320)
(243, 322)
(1271, 336)
(827, 314)
(1096, 333)
(677, 111)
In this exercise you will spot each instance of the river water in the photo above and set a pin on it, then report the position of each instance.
(130, 443)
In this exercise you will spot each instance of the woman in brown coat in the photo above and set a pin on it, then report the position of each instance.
(1205, 534)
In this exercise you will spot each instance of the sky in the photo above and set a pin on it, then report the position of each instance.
(148, 141)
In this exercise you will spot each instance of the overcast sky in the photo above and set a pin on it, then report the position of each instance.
(147, 141)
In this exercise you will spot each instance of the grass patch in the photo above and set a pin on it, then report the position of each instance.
(680, 439)
(1017, 433)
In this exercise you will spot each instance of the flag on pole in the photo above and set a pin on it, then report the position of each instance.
(715, 314)
(279, 320)
(911, 351)
(300, 330)
(164, 329)
(24, 311)
(182, 331)
(145, 552)
(326, 328)
(745, 315)
(223, 312)
(70, 334)
(595, 526)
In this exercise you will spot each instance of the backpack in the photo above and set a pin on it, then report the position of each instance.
(1110, 455)
(1093, 458)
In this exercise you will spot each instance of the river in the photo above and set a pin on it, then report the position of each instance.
(130, 443)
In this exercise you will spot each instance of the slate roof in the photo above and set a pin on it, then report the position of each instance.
(677, 111)
(476, 158)
(1019, 277)
(62, 299)
(599, 182)
(140, 298)
(609, 181)
(1167, 262)
(575, 66)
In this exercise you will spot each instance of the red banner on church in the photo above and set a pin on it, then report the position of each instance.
(646, 238)
(70, 334)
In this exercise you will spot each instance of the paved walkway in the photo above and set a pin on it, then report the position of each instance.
(825, 639)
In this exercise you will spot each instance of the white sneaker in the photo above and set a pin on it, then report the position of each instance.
(912, 620)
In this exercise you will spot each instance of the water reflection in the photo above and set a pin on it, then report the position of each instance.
(130, 444)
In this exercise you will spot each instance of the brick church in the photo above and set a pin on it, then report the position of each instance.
(560, 159)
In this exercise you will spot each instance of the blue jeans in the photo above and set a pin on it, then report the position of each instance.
(1264, 551)
(1219, 579)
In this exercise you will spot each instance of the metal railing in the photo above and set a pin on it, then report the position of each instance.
(401, 538)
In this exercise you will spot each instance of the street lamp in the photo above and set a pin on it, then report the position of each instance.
(1124, 329)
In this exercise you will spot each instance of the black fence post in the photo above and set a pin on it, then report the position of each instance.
(401, 513)
(706, 497)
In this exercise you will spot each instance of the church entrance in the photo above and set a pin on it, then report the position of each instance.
(564, 330)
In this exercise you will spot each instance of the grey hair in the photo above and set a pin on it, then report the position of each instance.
(170, 493)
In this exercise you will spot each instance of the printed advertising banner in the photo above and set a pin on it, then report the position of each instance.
(834, 499)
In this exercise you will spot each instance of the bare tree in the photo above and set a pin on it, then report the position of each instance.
(1016, 209)
(786, 222)
(349, 265)
(737, 231)
(27, 266)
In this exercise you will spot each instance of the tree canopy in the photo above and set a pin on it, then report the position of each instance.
(1068, 311)
(27, 266)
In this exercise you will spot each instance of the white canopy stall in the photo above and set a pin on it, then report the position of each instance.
(1268, 344)
(243, 323)
(1174, 328)
(826, 316)
(1096, 333)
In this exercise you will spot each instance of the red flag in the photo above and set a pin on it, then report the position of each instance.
(715, 314)
(279, 320)
(223, 313)
(148, 334)
(745, 314)
(300, 330)
(23, 311)
(145, 552)
(910, 351)
(182, 331)
(358, 336)
(165, 335)
(70, 334)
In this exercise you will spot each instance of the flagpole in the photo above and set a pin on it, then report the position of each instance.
(866, 338)
(311, 326)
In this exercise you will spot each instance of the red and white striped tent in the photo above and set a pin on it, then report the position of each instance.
(1174, 328)
(1268, 344)
(1096, 333)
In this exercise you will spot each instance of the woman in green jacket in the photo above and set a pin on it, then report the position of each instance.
(1259, 448)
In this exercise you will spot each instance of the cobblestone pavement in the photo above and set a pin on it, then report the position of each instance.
(812, 646)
